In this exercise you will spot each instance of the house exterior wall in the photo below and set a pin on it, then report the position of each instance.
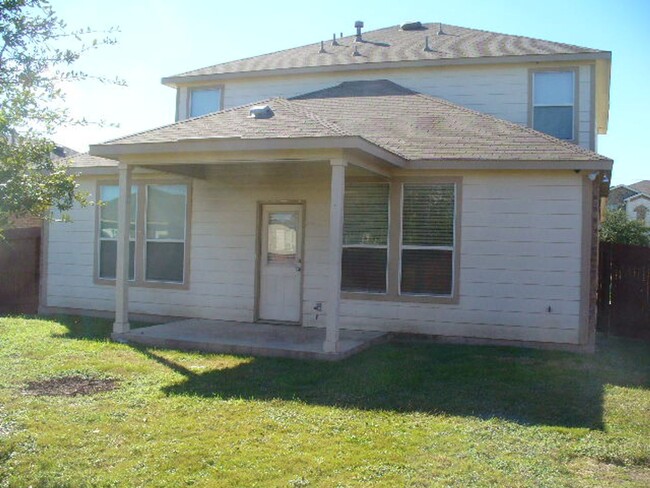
(502, 90)
(520, 263)
(633, 208)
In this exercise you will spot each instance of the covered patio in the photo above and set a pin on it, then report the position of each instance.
(250, 338)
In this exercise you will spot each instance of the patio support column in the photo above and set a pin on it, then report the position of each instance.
(337, 193)
(121, 323)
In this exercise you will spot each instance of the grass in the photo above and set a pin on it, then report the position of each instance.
(396, 415)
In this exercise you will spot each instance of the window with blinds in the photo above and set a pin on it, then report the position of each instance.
(427, 253)
(365, 238)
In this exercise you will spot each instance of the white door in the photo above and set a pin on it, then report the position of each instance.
(280, 263)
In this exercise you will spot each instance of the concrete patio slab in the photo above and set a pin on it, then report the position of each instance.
(250, 339)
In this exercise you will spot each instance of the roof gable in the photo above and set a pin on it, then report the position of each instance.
(391, 44)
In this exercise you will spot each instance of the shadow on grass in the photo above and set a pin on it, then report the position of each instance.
(524, 386)
(86, 328)
(530, 387)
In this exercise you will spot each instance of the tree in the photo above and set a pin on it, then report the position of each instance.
(37, 54)
(617, 228)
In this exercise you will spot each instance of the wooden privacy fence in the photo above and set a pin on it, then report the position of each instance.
(19, 270)
(624, 290)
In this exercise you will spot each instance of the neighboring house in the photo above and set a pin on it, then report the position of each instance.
(634, 199)
(388, 181)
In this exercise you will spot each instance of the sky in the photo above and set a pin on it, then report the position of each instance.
(159, 38)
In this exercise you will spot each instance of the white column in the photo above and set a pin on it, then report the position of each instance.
(121, 323)
(337, 193)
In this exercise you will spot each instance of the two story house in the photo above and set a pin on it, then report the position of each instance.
(421, 178)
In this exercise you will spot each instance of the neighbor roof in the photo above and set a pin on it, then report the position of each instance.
(391, 44)
(407, 124)
(641, 186)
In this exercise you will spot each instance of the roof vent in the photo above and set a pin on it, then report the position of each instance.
(260, 112)
(334, 41)
(322, 48)
(427, 48)
(411, 26)
(356, 51)
(440, 31)
(358, 25)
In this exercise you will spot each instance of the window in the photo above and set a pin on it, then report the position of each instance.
(365, 238)
(641, 213)
(165, 235)
(157, 235)
(553, 103)
(399, 240)
(109, 194)
(204, 101)
(427, 251)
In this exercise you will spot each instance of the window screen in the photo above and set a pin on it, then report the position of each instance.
(365, 238)
(427, 253)
(553, 103)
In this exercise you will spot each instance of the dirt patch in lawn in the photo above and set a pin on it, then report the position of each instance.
(73, 385)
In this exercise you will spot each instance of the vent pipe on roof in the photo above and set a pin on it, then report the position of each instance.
(334, 41)
(426, 45)
(440, 32)
(356, 51)
(358, 25)
(322, 48)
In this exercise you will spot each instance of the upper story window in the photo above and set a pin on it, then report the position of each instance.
(554, 103)
(204, 101)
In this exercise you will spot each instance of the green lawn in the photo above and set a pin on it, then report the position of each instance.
(396, 415)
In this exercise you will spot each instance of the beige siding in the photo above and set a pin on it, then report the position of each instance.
(520, 255)
(501, 91)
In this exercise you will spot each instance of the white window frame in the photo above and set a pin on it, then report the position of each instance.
(100, 239)
(451, 248)
(146, 240)
(574, 105)
(139, 264)
(190, 93)
(375, 246)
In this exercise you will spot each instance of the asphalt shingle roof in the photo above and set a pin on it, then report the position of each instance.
(391, 44)
(409, 124)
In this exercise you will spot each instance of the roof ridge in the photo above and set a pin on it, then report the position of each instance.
(346, 40)
(180, 123)
(328, 124)
(589, 49)
(569, 145)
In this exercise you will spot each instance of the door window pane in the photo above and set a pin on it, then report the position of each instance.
(282, 237)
